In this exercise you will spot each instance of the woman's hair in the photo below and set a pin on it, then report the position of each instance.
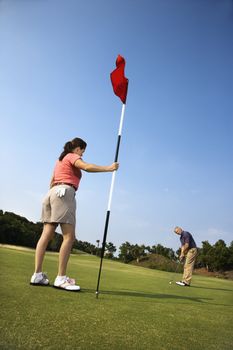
(71, 145)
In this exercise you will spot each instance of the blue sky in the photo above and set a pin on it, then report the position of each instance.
(176, 156)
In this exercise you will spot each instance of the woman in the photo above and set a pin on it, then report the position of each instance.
(59, 207)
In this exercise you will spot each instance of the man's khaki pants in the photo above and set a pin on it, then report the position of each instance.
(189, 265)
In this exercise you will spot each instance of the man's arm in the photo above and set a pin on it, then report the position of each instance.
(184, 250)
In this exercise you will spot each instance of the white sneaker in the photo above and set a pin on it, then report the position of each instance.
(66, 283)
(183, 284)
(39, 279)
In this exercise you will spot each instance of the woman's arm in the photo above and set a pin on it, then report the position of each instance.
(93, 168)
(51, 181)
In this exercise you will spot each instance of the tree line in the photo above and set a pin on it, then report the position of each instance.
(17, 230)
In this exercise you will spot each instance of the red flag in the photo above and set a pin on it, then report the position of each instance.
(118, 79)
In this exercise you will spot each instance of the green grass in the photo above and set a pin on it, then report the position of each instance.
(137, 309)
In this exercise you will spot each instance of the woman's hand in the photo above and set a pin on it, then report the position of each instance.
(113, 166)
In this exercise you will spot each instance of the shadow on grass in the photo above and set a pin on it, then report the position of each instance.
(147, 295)
(221, 289)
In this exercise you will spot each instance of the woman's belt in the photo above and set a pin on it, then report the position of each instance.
(63, 183)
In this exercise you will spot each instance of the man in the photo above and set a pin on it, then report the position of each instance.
(189, 253)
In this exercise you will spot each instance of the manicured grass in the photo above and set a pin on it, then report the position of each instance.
(137, 309)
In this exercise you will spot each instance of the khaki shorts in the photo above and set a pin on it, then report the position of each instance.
(59, 210)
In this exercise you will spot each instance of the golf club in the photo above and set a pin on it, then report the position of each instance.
(176, 269)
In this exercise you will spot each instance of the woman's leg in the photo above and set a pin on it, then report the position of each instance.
(68, 232)
(46, 237)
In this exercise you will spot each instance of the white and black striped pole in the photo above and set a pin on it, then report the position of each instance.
(110, 198)
(120, 88)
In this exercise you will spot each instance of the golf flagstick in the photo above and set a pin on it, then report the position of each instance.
(120, 87)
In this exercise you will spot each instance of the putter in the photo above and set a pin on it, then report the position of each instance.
(176, 269)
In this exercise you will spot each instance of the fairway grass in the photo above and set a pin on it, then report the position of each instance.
(137, 308)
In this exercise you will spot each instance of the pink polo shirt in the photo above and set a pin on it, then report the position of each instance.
(66, 172)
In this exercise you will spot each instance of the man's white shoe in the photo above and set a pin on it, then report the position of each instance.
(183, 284)
(66, 283)
(39, 279)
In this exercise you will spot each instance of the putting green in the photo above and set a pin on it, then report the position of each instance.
(136, 309)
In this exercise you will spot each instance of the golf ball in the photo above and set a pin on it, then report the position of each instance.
(170, 283)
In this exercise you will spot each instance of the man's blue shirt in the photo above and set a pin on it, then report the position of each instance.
(186, 237)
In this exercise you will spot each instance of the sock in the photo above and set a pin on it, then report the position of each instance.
(37, 274)
(61, 277)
